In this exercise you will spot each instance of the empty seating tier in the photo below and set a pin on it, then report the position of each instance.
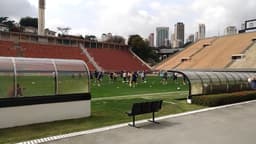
(116, 59)
(7, 48)
(107, 58)
(53, 51)
(212, 53)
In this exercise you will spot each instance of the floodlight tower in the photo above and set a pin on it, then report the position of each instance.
(41, 17)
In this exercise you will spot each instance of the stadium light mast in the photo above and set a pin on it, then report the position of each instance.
(41, 17)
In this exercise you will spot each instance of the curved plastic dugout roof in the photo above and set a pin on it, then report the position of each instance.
(205, 82)
(42, 77)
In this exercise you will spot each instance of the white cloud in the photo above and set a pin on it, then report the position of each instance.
(218, 14)
(155, 5)
(16, 9)
(125, 17)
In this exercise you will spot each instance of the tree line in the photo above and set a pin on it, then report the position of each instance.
(141, 48)
(17, 26)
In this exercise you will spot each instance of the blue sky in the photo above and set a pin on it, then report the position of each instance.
(126, 17)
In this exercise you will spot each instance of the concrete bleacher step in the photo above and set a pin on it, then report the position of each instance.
(217, 55)
(248, 61)
(116, 59)
(90, 58)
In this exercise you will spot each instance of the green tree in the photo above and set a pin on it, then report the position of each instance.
(64, 30)
(3, 19)
(116, 39)
(29, 21)
(10, 23)
(90, 37)
(141, 48)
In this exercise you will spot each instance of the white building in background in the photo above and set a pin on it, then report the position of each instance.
(49, 32)
(230, 30)
(151, 39)
(191, 38)
(201, 31)
(30, 29)
(167, 43)
(41, 17)
(162, 33)
(106, 37)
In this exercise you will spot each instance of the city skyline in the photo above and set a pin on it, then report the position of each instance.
(125, 18)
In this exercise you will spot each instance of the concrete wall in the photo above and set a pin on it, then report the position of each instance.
(248, 61)
(25, 115)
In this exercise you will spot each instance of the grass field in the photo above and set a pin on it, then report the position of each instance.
(152, 85)
(110, 101)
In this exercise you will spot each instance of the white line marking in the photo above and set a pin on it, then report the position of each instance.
(74, 134)
(170, 102)
(138, 95)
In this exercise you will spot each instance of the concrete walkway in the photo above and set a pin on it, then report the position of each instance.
(231, 125)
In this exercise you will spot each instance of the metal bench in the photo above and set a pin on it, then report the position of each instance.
(143, 108)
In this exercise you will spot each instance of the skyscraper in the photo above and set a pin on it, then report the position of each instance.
(201, 32)
(179, 30)
(41, 17)
(173, 40)
(196, 36)
(162, 34)
(151, 39)
(230, 30)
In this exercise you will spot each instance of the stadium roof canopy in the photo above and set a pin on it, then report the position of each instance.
(214, 82)
(42, 77)
(37, 90)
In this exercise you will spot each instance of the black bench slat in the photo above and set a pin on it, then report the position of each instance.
(156, 105)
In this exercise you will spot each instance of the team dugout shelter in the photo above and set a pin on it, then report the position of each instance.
(206, 82)
(34, 90)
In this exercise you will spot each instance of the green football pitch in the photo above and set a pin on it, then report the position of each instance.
(153, 84)
(110, 101)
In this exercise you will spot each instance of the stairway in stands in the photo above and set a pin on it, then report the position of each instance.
(90, 58)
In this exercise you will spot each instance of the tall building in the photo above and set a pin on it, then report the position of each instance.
(167, 43)
(230, 30)
(151, 39)
(201, 32)
(172, 40)
(242, 26)
(162, 34)
(196, 36)
(179, 31)
(41, 17)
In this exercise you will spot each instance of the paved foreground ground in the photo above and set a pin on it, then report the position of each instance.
(232, 125)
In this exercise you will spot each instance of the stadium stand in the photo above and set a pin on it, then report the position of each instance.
(116, 59)
(53, 51)
(248, 61)
(7, 48)
(110, 59)
(214, 55)
(174, 61)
